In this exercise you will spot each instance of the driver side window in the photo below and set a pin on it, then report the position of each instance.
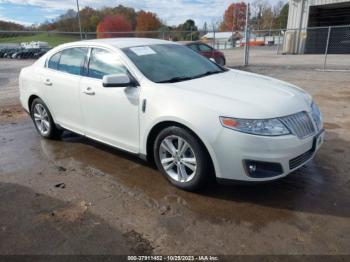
(103, 63)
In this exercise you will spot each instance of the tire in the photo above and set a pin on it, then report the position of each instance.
(220, 61)
(43, 120)
(190, 174)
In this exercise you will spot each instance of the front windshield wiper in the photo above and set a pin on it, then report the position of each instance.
(184, 78)
(208, 73)
(176, 79)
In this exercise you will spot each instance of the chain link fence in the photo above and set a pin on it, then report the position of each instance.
(326, 48)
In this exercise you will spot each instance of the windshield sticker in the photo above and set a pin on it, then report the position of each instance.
(143, 50)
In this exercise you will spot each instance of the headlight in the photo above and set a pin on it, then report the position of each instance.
(263, 127)
(316, 115)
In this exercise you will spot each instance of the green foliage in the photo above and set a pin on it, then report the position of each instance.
(191, 29)
(282, 19)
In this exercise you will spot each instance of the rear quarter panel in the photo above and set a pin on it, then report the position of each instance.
(29, 84)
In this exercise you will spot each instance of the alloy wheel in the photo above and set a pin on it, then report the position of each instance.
(177, 158)
(41, 119)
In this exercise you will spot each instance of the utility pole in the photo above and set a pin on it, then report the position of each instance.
(298, 49)
(247, 38)
(81, 34)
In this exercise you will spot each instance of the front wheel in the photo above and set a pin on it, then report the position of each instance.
(43, 121)
(181, 158)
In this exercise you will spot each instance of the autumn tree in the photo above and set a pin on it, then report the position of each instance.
(89, 18)
(5, 25)
(115, 23)
(147, 21)
(234, 17)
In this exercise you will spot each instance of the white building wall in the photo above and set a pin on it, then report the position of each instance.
(296, 7)
(298, 17)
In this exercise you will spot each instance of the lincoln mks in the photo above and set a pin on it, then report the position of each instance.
(166, 103)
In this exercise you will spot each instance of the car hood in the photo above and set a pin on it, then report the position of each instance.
(241, 94)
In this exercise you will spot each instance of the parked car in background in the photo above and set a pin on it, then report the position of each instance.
(164, 102)
(207, 51)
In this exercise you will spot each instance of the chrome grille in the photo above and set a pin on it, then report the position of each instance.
(299, 124)
(317, 120)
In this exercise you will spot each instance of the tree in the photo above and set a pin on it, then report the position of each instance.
(234, 17)
(4, 25)
(147, 21)
(89, 18)
(128, 12)
(282, 17)
(205, 28)
(188, 30)
(267, 18)
(115, 23)
(67, 22)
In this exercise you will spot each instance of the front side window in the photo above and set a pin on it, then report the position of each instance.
(170, 62)
(72, 60)
(54, 60)
(104, 63)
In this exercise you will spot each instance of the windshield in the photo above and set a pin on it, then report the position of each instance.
(170, 63)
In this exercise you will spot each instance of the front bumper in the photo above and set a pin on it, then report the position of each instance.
(233, 149)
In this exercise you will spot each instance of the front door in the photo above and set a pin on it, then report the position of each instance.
(110, 114)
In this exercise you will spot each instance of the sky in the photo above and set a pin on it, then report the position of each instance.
(173, 12)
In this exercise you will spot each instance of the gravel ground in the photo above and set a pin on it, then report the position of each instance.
(265, 56)
(76, 196)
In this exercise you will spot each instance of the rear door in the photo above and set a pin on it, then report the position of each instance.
(62, 92)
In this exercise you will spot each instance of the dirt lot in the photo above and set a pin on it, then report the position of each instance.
(76, 196)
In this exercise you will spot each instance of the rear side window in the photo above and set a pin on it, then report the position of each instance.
(204, 48)
(194, 47)
(104, 63)
(54, 60)
(72, 60)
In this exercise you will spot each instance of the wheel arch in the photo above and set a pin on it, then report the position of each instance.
(31, 99)
(158, 127)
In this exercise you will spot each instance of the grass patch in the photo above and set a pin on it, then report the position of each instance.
(52, 39)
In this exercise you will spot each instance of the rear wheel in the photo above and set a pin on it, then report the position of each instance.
(42, 119)
(181, 158)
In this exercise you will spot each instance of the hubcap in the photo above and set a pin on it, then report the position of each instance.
(41, 119)
(177, 158)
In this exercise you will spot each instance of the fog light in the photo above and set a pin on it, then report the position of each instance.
(252, 168)
(259, 169)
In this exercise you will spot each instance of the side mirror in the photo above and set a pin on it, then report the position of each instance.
(116, 80)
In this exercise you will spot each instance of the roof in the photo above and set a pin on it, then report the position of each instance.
(189, 42)
(218, 35)
(227, 35)
(122, 42)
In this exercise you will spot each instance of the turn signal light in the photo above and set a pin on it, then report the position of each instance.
(229, 122)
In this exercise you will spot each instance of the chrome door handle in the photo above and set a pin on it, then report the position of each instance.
(89, 91)
(48, 82)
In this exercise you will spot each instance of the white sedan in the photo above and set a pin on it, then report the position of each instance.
(168, 104)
